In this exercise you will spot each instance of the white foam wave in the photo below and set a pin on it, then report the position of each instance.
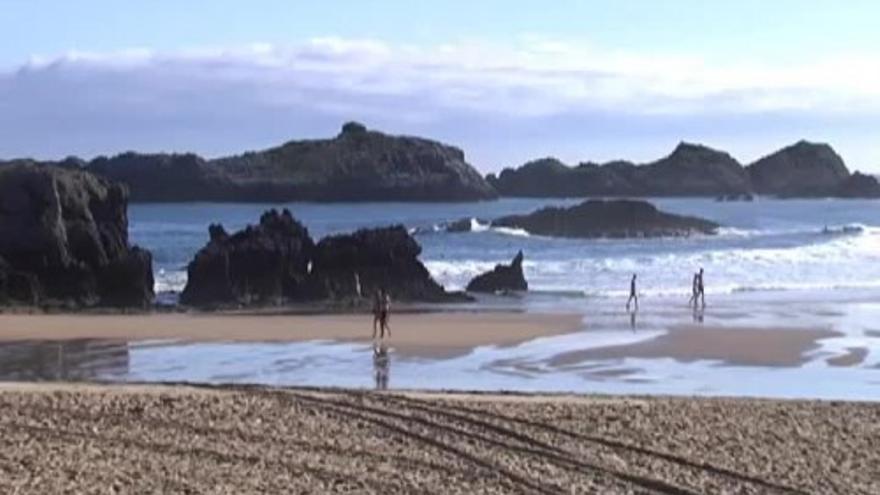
(511, 231)
(169, 280)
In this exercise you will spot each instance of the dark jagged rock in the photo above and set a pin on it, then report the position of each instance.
(614, 219)
(803, 169)
(262, 264)
(503, 278)
(691, 170)
(355, 265)
(859, 185)
(357, 165)
(64, 238)
(277, 261)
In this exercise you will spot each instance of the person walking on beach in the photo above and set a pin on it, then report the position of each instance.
(633, 294)
(384, 313)
(700, 290)
(694, 284)
(377, 311)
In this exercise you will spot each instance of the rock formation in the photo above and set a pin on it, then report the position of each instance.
(801, 170)
(357, 165)
(277, 261)
(356, 265)
(64, 239)
(691, 170)
(613, 219)
(262, 264)
(502, 278)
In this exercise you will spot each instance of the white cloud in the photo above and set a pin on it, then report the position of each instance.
(225, 99)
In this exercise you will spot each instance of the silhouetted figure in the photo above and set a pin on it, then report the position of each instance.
(694, 290)
(633, 294)
(701, 290)
(377, 311)
(381, 366)
(384, 313)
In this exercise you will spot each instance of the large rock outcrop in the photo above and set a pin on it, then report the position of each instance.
(612, 219)
(356, 265)
(64, 239)
(802, 169)
(277, 261)
(502, 278)
(262, 264)
(690, 170)
(356, 165)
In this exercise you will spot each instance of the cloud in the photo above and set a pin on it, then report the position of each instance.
(498, 99)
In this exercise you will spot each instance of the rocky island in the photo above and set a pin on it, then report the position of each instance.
(802, 170)
(807, 169)
(358, 164)
(609, 219)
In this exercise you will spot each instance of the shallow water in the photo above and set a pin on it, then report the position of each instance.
(529, 366)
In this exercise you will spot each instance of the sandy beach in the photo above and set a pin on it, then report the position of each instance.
(429, 334)
(177, 439)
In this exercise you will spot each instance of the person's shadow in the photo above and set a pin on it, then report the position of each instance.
(632, 319)
(381, 365)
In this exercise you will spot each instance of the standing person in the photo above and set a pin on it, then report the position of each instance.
(384, 313)
(377, 311)
(633, 294)
(694, 289)
(701, 290)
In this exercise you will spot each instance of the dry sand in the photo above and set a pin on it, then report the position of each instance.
(165, 439)
(433, 334)
(732, 346)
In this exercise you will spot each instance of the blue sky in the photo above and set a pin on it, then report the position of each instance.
(507, 81)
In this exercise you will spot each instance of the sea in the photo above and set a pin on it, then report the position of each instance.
(763, 246)
(776, 265)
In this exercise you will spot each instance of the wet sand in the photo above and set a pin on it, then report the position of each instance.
(774, 347)
(175, 439)
(854, 356)
(429, 334)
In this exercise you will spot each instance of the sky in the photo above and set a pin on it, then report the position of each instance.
(507, 81)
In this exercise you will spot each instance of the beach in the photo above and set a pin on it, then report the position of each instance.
(439, 334)
(155, 438)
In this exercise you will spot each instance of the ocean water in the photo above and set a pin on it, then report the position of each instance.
(764, 247)
(776, 266)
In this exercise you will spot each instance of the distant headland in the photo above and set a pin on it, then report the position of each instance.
(360, 164)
